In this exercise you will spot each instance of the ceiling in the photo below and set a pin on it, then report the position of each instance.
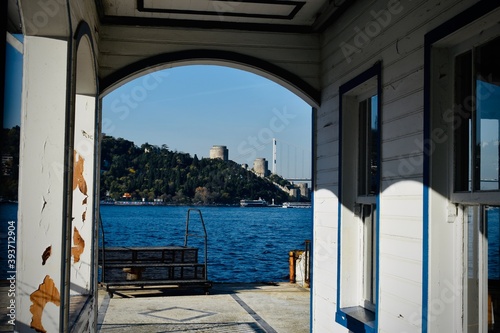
(264, 15)
(260, 15)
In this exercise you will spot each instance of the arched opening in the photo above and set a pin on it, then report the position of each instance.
(119, 107)
(289, 80)
(81, 244)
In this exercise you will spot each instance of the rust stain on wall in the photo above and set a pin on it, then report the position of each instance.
(46, 292)
(46, 254)
(77, 250)
(78, 179)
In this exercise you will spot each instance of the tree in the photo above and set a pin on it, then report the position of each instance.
(150, 172)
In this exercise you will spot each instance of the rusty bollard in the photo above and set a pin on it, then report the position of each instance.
(292, 261)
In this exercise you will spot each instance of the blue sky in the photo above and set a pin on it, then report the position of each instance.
(13, 84)
(191, 108)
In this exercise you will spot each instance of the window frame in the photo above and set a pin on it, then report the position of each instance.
(470, 48)
(473, 195)
(475, 26)
(353, 310)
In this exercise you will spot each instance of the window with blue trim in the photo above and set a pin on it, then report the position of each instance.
(358, 207)
(476, 170)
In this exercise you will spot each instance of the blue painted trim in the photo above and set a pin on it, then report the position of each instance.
(314, 117)
(374, 71)
(339, 206)
(379, 186)
(353, 324)
(426, 180)
(454, 24)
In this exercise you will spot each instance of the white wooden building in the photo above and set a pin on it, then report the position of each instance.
(405, 100)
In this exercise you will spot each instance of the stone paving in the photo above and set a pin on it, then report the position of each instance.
(258, 308)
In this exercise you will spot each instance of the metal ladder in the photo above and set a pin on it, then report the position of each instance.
(203, 235)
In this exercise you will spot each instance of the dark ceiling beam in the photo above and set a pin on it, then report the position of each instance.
(159, 22)
(325, 18)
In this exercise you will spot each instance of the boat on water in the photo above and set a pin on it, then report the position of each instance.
(253, 203)
(296, 205)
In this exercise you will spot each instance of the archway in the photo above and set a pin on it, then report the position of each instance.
(213, 57)
(81, 230)
(142, 88)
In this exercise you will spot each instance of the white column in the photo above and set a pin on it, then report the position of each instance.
(40, 249)
(83, 195)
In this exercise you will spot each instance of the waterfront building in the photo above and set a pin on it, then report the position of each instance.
(260, 167)
(219, 152)
(304, 190)
(404, 99)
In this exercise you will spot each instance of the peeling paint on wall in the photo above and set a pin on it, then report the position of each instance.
(78, 179)
(79, 243)
(46, 254)
(46, 292)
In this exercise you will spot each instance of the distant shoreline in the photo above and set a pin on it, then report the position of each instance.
(151, 203)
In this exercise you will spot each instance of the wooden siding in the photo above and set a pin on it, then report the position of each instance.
(400, 47)
(125, 45)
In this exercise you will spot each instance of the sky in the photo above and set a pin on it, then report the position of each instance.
(191, 108)
(13, 83)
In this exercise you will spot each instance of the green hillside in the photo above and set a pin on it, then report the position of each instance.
(153, 172)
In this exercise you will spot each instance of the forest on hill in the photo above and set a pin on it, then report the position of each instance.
(9, 168)
(150, 172)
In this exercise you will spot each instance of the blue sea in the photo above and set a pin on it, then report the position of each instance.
(244, 244)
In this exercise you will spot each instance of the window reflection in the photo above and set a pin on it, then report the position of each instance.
(492, 215)
(487, 94)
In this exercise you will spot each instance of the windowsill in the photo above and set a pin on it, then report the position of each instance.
(356, 319)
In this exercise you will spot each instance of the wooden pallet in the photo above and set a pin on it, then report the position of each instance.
(146, 266)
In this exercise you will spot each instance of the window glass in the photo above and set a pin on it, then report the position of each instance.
(488, 114)
(368, 146)
(492, 216)
(463, 122)
(369, 246)
(482, 293)
(477, 119)
(473, 274)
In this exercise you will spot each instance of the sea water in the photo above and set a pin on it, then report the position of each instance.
(244, 244)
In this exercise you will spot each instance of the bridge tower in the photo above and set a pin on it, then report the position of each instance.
(274, 156)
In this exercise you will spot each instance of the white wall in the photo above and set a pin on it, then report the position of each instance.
(396, 38)
(41, 184)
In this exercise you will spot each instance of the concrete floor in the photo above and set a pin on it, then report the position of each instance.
(229, 308)
(270, 308)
